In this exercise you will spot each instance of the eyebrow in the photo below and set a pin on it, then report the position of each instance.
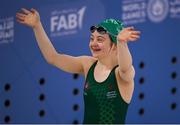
(99, 36)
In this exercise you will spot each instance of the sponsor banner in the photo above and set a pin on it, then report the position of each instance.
(67, 21)
(134, 11)
(174, 8)
(73, 18)
(6, 30)
(156, 11)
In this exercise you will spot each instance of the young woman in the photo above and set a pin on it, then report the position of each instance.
(109, 72)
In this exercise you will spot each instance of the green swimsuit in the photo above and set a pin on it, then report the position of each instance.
(103, 102)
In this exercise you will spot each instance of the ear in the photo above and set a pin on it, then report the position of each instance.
(113, 46)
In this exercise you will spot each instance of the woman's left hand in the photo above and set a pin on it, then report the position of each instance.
(128, 34)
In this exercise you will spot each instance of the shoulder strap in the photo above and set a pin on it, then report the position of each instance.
(91, 69)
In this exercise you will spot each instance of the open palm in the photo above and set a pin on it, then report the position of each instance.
(28, 17)
(128, 34)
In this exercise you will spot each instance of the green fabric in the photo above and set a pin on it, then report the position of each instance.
(103, 102)
(113, 27)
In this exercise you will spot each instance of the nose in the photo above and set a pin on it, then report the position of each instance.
(94, 43)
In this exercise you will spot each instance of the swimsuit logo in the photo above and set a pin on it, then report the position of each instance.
(157, 10)
(111, 94)
(110, 87)
(86, 86)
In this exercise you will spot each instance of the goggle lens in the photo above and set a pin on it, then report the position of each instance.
(100, 30)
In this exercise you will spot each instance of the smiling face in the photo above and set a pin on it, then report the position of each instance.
(100, 45)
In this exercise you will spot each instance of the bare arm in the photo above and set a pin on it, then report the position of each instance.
(64, 62)
(126, 69)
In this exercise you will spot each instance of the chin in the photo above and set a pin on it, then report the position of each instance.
(98, 56)
(95, 55)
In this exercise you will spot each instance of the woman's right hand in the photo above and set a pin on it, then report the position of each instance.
(28, 17)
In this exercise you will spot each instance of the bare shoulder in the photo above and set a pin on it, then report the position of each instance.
(87, 62)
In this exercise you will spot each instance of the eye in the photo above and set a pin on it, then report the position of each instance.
(91, 38)
(100, 40)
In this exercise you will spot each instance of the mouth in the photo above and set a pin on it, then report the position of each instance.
(96, 49)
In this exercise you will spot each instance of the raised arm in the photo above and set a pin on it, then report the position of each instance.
(126, 69)
(65, 62)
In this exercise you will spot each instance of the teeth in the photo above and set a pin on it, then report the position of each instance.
(96, 49)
